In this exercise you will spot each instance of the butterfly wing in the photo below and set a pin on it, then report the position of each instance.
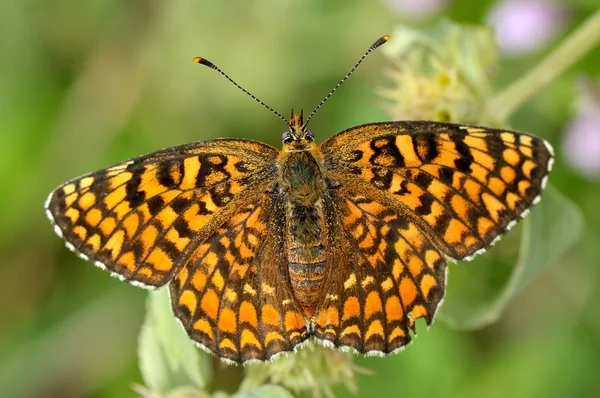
(463, 186)
(230, 297)
(383, 274)
(407, 195)
(143, 218)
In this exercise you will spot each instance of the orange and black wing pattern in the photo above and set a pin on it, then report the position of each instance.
(462, 186)
(383, 274)
(231, 296)
(144, 218)
(410, 195)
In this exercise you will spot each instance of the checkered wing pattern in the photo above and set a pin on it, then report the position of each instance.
(142, 219)
(383, 274)
(462, 186)
(410, 194)
(231, 297)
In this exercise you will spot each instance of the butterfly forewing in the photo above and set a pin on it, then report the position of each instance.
(462, 185)
(231, 296)
(142, 219)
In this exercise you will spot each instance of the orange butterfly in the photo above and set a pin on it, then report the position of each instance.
(346, 242)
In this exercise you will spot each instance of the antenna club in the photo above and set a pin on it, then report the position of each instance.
(204, 61)
(380, 41)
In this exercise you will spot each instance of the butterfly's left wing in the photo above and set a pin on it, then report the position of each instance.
(405, 195)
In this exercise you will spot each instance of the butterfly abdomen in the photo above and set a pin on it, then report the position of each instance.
(307, 271)
(306, 255)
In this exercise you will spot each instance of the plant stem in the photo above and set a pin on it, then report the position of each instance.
(580, 42)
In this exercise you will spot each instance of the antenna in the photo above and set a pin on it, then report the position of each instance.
(379, 42)
(203, 61)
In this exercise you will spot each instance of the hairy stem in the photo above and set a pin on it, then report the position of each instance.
(579, 43)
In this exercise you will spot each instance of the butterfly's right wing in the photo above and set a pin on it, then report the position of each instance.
(142, 219)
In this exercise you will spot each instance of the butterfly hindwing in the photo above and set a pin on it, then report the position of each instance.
(231, 297)
(141, 219)
(462, 185)
(383, 274)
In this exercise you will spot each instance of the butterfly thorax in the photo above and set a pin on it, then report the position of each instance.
(302, 184)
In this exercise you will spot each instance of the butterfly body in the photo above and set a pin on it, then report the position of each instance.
(303, 185)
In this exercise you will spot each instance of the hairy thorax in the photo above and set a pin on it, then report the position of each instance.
(303, 185)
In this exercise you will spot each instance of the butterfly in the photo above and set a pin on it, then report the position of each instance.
(346, 242)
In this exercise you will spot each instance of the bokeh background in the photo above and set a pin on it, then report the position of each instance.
(87, 84)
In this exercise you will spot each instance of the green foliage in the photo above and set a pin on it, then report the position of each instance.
(168, 358)
(266, 391)
(86, 84)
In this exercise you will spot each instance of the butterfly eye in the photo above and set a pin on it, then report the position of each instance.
(309, 136)
(287, 137)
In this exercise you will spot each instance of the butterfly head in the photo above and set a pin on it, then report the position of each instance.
(297, 137)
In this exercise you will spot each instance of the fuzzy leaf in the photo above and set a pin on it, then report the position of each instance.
(470, 48)
(443, 74)
(265, 391)
(168, 358)
(479, 291)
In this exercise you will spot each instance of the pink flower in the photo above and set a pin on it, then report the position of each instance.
(522, 26)
(582, 138)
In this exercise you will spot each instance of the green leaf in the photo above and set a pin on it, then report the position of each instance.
(479, 291)
(168, 358)
(151, 361)
(265, 391)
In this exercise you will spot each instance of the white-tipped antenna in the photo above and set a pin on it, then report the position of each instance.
(379, 42)
(203, 61)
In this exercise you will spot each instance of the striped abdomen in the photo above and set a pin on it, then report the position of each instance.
(306, 256)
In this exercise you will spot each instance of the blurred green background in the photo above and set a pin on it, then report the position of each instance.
(87, 84)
